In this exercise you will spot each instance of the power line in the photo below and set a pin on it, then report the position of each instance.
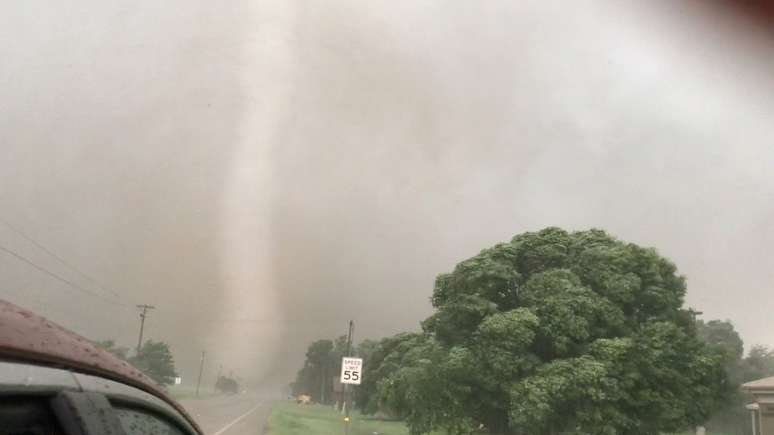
(60, 259)
(57, 277)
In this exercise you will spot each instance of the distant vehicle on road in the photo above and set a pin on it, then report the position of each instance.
(53, 381)
(227, 385)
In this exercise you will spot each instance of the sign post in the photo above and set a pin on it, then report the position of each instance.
(351, 373)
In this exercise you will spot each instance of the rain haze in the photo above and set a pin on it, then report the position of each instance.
(262, 172)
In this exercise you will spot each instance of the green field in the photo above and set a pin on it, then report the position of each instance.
(287, 418)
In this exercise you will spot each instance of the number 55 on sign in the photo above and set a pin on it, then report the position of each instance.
(351, 370)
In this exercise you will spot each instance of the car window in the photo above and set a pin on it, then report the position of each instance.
(139, 422)
(27, 416)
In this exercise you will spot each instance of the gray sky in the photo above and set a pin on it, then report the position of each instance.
(264, 171)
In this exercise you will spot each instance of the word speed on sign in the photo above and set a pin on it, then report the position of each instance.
(351, 370)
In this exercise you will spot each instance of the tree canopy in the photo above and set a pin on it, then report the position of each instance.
(156, 361)
(732, 418)
(721, 333)
(552, 332)
(322, 364)
(111, 346)
(758, 364)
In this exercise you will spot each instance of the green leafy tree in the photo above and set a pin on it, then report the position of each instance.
(365, 349)
(315, 377)
(156, 361)
(111, 346)
(338, 352)
(429, 390)
(731, 418)
(554, 332)
(721, 334)
(304, 382)
(323, 364)
(386, 357)
(758, 364)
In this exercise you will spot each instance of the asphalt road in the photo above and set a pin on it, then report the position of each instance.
(239, 414)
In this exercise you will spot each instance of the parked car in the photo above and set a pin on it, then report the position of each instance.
(53, 381)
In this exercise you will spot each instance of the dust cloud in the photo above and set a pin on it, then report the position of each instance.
(262, 172)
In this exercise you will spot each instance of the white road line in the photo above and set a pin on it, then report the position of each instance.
(237, 420)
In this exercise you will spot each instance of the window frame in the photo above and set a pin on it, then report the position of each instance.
(64, 391)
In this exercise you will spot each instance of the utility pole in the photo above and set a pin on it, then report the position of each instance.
(201, 369)
(144, 313)
(347, 403)
(322, 385)
(349, 337)
(217, 379)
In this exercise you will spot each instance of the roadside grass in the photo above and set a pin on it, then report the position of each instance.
(690, 432)
(694, 433)
(288, 418)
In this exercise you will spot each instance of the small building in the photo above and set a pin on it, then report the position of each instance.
(762, 407)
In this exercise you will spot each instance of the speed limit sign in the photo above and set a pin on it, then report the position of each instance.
(351, 370)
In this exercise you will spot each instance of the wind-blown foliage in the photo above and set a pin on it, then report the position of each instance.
(111, 346)
(552, 332)
(156, 361)
(312, 378)
(321, 366)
